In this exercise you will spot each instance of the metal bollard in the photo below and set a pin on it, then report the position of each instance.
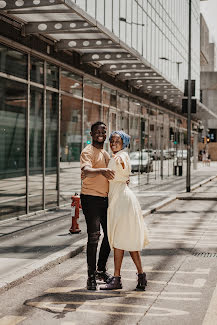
(75, 203)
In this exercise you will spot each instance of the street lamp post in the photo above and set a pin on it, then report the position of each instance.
(188, 174)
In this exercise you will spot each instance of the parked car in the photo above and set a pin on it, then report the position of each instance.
(157, 154)
(181, 154)
(141, 161)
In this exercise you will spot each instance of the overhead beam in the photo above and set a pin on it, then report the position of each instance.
(106, 56)
(20, 4)
(53, 27)
(124, 66)
(139, 75)
(85, 44)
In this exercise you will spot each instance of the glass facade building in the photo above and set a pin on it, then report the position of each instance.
(157, 29)
(48, 104)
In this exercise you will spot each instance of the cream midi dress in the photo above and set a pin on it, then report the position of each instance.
(126, 227)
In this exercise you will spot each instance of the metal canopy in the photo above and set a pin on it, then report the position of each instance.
(73, 29)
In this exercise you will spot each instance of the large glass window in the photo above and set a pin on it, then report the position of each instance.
(71, 83)
(51, 185)
(70, 147)
(91, 115)
(13, 62)
(52, 75)
(12, 147)
(37, 70)
(36, 150)
(92, 90)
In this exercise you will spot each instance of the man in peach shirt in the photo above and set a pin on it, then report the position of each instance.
(94, 200)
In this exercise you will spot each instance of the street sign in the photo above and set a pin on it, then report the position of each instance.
(185, 105)
(192, 88)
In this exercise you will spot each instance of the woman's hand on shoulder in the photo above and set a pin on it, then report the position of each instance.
(118, 160)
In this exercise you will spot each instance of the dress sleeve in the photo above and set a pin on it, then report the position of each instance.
(124, 156)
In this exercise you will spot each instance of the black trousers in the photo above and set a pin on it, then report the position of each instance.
(95, 211)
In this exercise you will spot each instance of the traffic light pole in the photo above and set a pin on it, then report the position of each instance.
(188, 175)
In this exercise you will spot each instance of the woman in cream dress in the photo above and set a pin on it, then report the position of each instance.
(126, 227)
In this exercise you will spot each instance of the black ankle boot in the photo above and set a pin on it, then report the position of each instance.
(115, 283)
(104, 276)
(91, 282)
(142, 282)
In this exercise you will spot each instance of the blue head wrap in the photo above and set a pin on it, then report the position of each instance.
(125, 138)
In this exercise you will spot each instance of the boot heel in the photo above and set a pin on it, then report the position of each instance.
(142, 282)
(115, 283)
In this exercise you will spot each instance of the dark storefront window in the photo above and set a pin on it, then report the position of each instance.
(12, 147)
(51, 149)
(13, 62)
(36, 150)
(37, 70)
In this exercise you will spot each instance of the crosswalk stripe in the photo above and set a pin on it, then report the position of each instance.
(11, 320)
(46, 305)
(198, 283)
(157, 311)
(117, 293)
(149, 269)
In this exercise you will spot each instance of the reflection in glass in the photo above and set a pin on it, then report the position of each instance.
(37, 70)
(13, 62)
(12, 147)
(92, 90)
(36, 149)
(91, 115)
(106, 121)
(71, 83)
(122, 102)
(70, 147)
(51, 149)
(109, 97)
(113, 122)
(134, 133)
(52, 75)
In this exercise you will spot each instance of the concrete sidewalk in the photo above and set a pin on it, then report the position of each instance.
(34, 244)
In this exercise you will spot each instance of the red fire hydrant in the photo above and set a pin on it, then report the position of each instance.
(75, 203)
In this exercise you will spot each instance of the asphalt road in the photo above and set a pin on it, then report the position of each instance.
(180, 262)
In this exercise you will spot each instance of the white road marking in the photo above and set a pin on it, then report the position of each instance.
(181, 231)
(117, 293)
(171, 225)
(162, 311)
(211, 314)
(166, 312)
(184, 221)
(149, 269)
(198, 283)
(179, 241)
(11, 320)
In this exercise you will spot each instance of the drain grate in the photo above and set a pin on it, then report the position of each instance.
(205, 254)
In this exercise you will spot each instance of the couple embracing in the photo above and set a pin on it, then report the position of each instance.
(107, 201)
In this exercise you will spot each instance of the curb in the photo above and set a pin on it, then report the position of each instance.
(34, 226)
(172, 198)
(42, 265)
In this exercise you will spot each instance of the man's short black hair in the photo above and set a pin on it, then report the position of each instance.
(96, 124)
